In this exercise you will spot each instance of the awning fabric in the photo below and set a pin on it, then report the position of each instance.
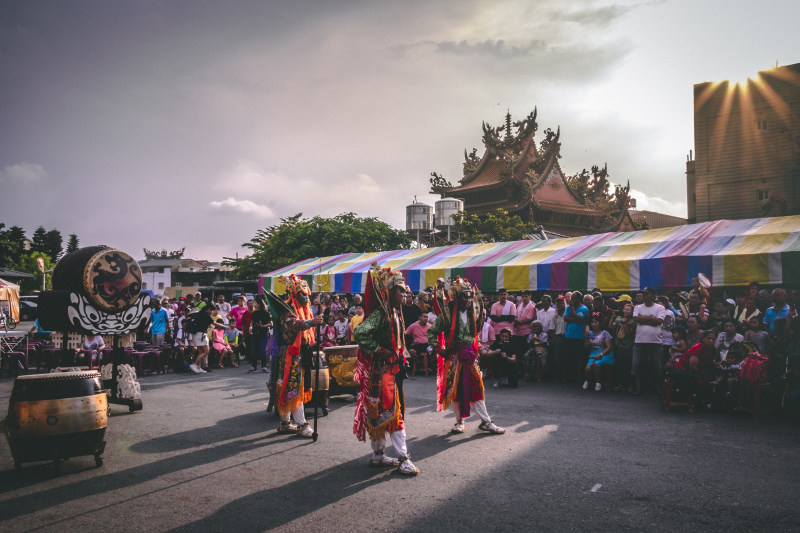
(729, 252)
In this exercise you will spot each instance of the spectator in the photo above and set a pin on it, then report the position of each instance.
(503, 313)
(356, 320)
(247, 329)
(599, 306)
(601, 356)
(40, 334)
(678, 347)
(693, 332)
(625, 337)
(522, 328)
(695, 367)
(262, 321)
(718, 315)
(418, 331)
(649, 317)
(725, 338)
(503, 359)
(236, 313)
(749, 310)
(223, 306)
(200, 321)
(574, 355)
(536, 357)
(666, 329)
(757, 335)
(546, 313)
(158, 324)
(557, 341)
(779, 309)
(199, 303)
(328, 332)
(356, 302)
(232, 340)
(220, 345)
(341, 327)
(89, 351)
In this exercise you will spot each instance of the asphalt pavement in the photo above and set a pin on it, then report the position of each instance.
(203, 455)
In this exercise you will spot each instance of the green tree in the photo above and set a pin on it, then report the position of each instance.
(54, 244)
(27, 262)
(39, 241)
(12, 244)
(495, 226)
(297, 238)
(73, 243)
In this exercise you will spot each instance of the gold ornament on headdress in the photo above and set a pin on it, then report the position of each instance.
(294, 284)
(386, 278)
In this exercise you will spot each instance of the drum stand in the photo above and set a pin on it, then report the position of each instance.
(117, 357)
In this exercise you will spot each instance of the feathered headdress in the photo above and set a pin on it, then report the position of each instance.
(294, 284)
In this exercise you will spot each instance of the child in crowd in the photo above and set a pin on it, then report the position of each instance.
(536, 357)
(328, 332)
(757, 335)
(678, 347)
(341, 327)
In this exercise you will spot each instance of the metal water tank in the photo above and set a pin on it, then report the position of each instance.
(445, 209)
(419, 217)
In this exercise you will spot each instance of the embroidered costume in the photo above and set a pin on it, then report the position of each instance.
(295, 354)
(381, 342)
(458, 378)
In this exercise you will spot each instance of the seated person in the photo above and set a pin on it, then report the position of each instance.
(40, 334)
(418, 331)
(695, 368)
(220, 343)
(89, 350)
(503, 360)
(728, 369)
(536, 357)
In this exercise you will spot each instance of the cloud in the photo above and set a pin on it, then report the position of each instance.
(601, 17)
(496, 48)
(645, 202)
(246, 207)
(23, 172)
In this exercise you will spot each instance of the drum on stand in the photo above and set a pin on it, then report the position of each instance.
(342, 365)
(57, 416)
(319, 395)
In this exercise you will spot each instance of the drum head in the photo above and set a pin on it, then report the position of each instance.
(704, 281)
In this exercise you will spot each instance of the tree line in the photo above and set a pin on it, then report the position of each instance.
(19, 253)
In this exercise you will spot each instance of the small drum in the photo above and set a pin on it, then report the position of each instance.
(342, 365)
(56, 416)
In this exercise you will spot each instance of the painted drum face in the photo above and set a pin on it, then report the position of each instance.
(112, 280)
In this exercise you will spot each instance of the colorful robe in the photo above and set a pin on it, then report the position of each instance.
(291, 389)
(458, 377)
(378, 406)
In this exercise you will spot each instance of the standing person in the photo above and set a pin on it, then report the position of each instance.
(521, 329)
(559, 329)
(459, 382)
(158, 325)
(625, 337)
(223, 306)
(247, 329)
(236, 313)
(503, 313)
(261, 322)
(649, 316)
(200, 321)
(199, 303)
(574, 354)
(380, 360)
(341, 327)
(297, 329)
(779, 309)
(418, 331)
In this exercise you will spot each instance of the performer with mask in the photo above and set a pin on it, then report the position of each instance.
(458, 380)
(295, 354)
(381, 341)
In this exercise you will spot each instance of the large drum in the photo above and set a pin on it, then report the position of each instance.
(57, 416)
(342, 366)
(110, 279)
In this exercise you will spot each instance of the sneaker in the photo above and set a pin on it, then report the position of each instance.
(381, 459)
(202, 370)
(585, 385)
(597, 387)
(265, 370)
(194, 368)
(488, 425)
(304, 431)
(252, 369)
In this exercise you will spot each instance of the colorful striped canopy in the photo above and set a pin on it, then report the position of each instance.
(729, 252)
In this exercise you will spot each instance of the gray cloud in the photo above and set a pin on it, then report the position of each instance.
(23, 172)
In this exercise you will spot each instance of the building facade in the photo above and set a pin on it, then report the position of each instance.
(746, 160)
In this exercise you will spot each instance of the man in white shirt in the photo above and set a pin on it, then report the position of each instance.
(649, 317)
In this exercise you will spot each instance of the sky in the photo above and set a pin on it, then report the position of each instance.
(165, 124)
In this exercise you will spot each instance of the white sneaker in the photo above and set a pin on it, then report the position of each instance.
(202, 370)
(585, 385)
(488, 425)
(457, 428)
(194, 368)
(598, 387)
(304, 431)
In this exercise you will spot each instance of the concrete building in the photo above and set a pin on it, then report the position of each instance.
(746, 160)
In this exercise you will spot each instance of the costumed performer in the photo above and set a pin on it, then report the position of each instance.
(381, 341)
(295, 353)
(458, 377)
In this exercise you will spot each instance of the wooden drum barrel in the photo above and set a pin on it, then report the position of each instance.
(57, 416)
(109, 278)
(342, 365)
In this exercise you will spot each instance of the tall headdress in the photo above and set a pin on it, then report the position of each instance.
(380, 282)
(462, 286)
(295, 285)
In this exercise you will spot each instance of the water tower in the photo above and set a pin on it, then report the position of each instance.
(419, 220)
(445, 209)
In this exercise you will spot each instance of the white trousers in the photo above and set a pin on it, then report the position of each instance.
(398, 441)
(480, 410)
(299, 415)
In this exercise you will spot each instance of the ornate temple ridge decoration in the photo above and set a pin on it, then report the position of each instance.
(521, 176)
(164, 254)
